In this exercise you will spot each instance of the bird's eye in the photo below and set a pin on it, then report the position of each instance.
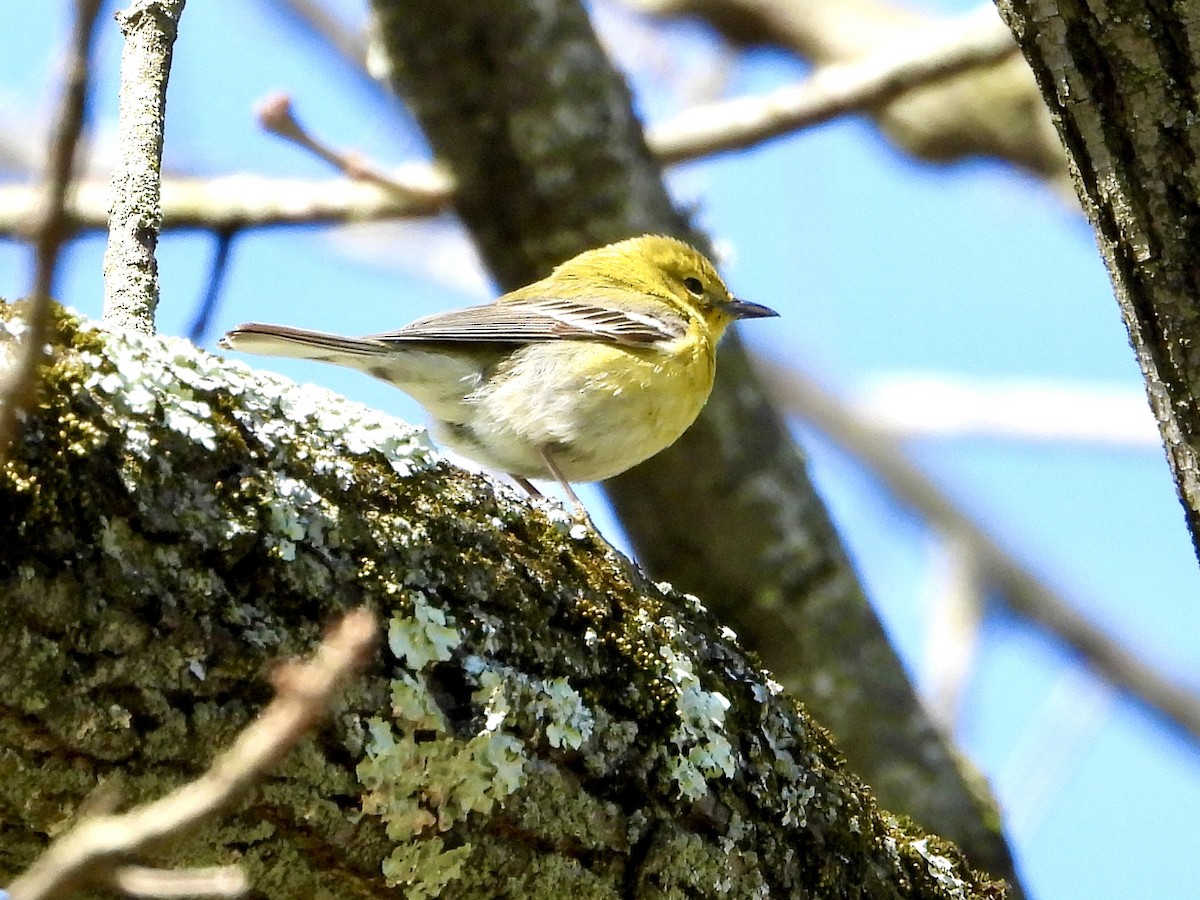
(694, 286)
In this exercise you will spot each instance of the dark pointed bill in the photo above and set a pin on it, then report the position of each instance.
(743, 309)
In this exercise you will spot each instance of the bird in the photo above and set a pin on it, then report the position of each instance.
(574, 378)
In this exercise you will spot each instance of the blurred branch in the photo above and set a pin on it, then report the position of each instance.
(163, 884)
(956, 596)
(316, 17)
(95, 848)
(1021, 590)
(130, 270)
(419, 189)
(992, 111)
(239, 202)
(905, 405)
(933, 53)
(212, 291)
(51, 225)
(275, 115)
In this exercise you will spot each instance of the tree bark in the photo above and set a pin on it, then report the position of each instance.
(544, 720)
(519, 101)
(1120, 80)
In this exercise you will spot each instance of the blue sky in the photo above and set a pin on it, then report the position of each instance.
(881, 267)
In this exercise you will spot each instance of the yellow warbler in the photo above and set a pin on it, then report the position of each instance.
(577, 377)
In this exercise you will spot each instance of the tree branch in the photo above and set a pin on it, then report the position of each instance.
(931, 55)
(1020, 589)
(995, 111)
(240, 202)
(51, 222)
(539, 701)
(418, 189)
(130, 270)
(93, 849)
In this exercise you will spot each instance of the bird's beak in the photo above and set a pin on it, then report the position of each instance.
(743, 309)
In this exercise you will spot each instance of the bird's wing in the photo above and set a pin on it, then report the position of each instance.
(530, 321)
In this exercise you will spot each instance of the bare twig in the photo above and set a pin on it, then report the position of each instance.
(163, 884)
(275, 114)
(91, 849)
(130, 270)
(212, 292)
(1023, 591)
(947, 49)
(348, 44)
(955, 606)
(1030, 410)
(52, 226)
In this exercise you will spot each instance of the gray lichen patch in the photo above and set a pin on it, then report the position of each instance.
(541, 719)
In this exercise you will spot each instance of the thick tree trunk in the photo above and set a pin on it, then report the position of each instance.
(1121, 82)
(542, 721)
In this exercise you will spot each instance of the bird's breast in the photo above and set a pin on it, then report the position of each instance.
(598, 408)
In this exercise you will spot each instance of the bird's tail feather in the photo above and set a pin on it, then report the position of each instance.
(298, 343)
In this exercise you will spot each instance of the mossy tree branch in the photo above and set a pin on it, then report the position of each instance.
(544, 720)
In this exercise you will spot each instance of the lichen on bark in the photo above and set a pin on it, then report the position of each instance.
(541, 719)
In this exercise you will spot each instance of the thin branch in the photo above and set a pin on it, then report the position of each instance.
(316, 17)
(163, 884)
(130, 270)
(53, 228)
(995, 111)
(51, 221)
(944, 49)
(275, 115)
(947, 49)
(212, 292)
(954, 612)
(239, 202)
(1024, 592)
(1028, 410)
(304, 693)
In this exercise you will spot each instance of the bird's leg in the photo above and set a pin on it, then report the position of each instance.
(527, 486)
(580, 512)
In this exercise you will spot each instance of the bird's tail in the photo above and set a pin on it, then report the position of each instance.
(438, 380)
(298, 343)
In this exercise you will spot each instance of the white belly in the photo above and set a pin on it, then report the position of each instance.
(597, 419)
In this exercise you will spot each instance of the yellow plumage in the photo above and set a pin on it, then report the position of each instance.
(576, 377)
